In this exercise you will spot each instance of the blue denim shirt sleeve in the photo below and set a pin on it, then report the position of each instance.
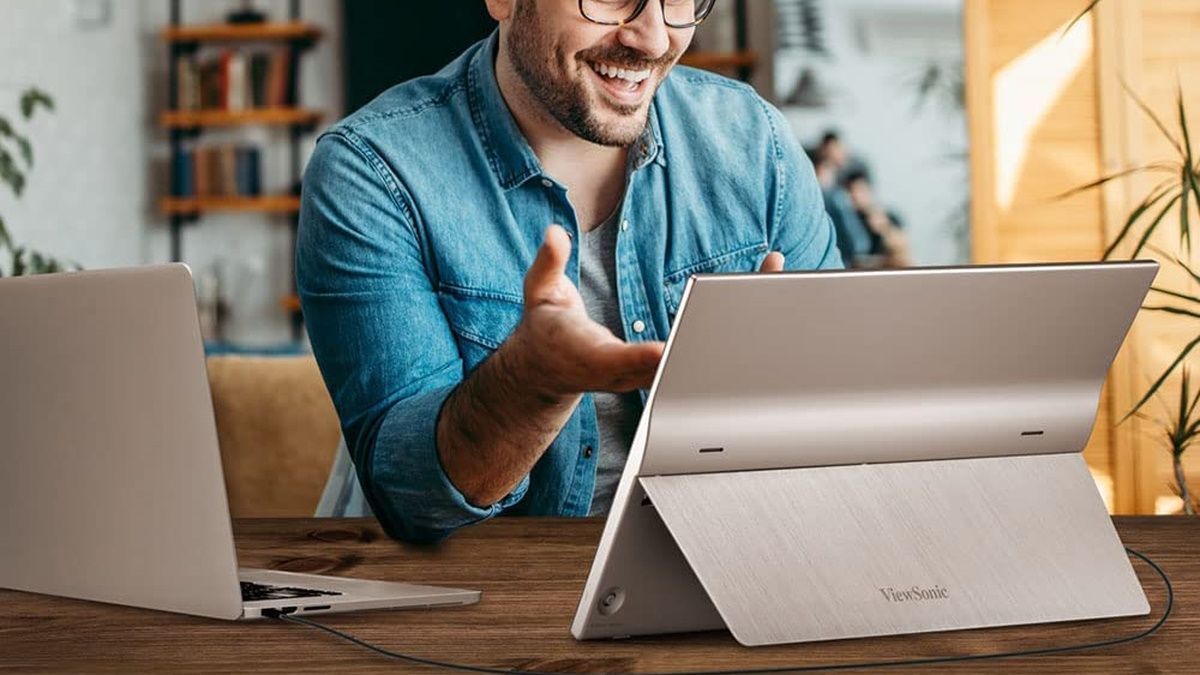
(802, 229)
(381, 338)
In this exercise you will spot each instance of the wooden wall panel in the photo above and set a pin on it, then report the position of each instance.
(1091, 128)
(1061, 152)
(1166, 53)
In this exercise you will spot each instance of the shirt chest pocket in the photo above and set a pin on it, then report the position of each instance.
(741, 259)
(481, 320)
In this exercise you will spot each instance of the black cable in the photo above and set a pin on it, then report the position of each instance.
(795, 669)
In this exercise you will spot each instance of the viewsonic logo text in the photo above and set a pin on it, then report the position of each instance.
(914, 593)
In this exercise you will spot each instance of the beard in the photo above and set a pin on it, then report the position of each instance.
(533, 56)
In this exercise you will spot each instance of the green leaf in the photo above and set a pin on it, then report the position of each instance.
(1175, 294)
(1172, 310)
(26, 150)
(6, 131)
(18, 261)
(1156, 166)
(5, 239)
(1079, 17)
(1189, 180)
(1178, 262)
(1153, 224)
(1193, 424)
(1185, 230)
(9, 173)
(33, 98)
(1181, 423)
(1163, 378)
(1154, 118)
(1187, 268)
(1134, 216)
(1183, 126)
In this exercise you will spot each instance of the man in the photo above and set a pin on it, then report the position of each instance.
(482, 360)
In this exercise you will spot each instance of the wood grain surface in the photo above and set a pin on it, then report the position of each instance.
(531, 572)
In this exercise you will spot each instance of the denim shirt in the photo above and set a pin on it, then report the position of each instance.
(421, 214)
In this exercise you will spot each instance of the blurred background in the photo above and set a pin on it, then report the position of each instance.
(943, 132)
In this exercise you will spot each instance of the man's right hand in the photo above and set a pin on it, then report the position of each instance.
(495, 426)
(559, 348)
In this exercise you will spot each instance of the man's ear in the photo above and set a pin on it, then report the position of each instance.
(501, 10)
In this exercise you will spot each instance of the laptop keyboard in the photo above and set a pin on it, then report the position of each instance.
(252, 592)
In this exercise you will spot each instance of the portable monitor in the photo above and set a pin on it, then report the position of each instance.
(844, 454)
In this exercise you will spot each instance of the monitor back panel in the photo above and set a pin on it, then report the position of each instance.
(826, 368)
(810, 369)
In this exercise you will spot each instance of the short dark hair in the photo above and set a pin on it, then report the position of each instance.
(854, 175)
(830, 136)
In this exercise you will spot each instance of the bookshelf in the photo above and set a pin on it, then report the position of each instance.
(720, 60)
(739, 62)
(281, 116)
(269, 100)
(288, 204)
(294, 30)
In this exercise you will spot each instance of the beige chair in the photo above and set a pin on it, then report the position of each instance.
(278, 432)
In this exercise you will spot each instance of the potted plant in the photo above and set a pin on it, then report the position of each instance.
(1179, 187)
(16, 160)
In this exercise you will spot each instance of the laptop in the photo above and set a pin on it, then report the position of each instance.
(111, 487)
(841, 454)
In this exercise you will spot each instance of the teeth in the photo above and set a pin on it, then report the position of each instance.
(634, 76)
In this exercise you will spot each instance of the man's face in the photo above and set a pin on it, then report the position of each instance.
(597, 81)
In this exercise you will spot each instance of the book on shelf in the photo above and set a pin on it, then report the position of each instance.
(183, 177)
(224, 170)
(260, 67)
(227, 173)
(234, 79)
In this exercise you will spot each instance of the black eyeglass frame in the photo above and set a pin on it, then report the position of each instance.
(641, 7)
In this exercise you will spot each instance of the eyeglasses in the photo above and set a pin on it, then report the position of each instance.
(676, 13)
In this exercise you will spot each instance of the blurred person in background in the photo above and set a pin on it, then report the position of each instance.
(888, 245)
(853, 239)
(833, 151)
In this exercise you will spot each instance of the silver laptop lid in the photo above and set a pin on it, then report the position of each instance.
(844, 367)
(110, 475)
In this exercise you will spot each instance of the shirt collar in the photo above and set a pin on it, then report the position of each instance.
(649, 147)
(509, 154)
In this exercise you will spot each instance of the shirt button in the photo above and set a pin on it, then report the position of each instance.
(624, 225)
(546, 182)
(639, 326)
(587, 452)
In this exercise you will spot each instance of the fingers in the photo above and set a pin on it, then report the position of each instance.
(772, 263)
(548, 268)
(627, 366)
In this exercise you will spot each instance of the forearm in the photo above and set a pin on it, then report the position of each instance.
(497, 423)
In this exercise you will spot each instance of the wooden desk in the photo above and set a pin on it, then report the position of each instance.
(531, 572)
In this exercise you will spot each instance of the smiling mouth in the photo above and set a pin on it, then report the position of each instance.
(621, 80)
